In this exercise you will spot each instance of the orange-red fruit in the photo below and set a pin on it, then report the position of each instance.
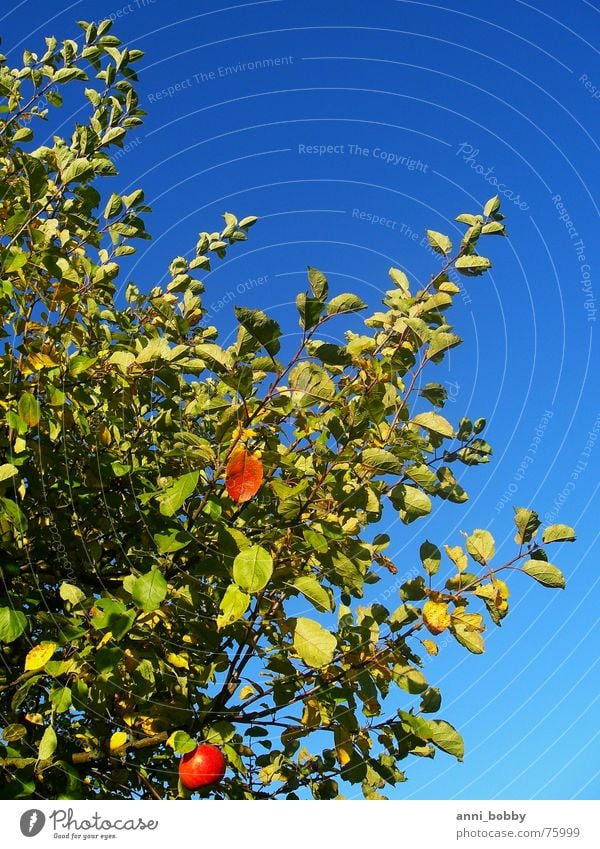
(202, 767)
(243, 475)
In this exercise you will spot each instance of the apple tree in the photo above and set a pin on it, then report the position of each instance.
(188, 530)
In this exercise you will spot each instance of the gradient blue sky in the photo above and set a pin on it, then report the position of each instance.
(468, 93)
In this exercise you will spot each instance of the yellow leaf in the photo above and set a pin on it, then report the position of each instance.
(150, 725)
(39, 656)
(502, 595)
(34, 718)
(435, 616)
(246, 692)
(36, 362)
(430, 646)
(178, 660)
(311, 715)
(343, 745)
(105, 639)
(104, 435)
(117, 741)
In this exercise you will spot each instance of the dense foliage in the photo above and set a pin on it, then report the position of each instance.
(186, 528)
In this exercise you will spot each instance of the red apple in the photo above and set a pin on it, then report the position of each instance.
(204, 766)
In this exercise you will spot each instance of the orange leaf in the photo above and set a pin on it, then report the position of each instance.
(243, 475)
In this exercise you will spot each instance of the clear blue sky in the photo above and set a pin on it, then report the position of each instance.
(444, 99)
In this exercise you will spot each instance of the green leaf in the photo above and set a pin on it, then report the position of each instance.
(492, 206)
(80, 170)
(345, 303)
(492, 228)
(16, 259)
(252, 569)
(48, 744)
(172, 539)
(311, 384)
(527, 523)
(122, 359)
(115, 134)
(37, 180)
(410, 679)
(440, 733)
(544, 573)
(467, 637)
(431, 700)
(65, 75)
(446, 737)
(435, 423)
(219, 733)
(215, 355)
(113, 206)
(265, 330)
(71, 593)
(13, 513)
(12, 624)
(181, 742)
(334, 355)
(23, 134)
(173, 497)
(462, 581)
(14, 732)
(310, 310)
(61, 699)
(480, 546)
(318, 283)
(80, 364)
(471, 264)
(401, 281)
(313, 643)
(344, 571)
(558, 533)
(431, 557)
(155, 349)
(439, 242)
(29, 409)
(150, 590)
(449, 487)
(423, 476)
(441, 341)
(316, 540)
(144, 679)
(233, 606)
(381, 461)
(411, 502)
(309, 586)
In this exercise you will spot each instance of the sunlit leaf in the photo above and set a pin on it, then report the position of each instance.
(313, 643)
(243, 475)
(38, 656)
